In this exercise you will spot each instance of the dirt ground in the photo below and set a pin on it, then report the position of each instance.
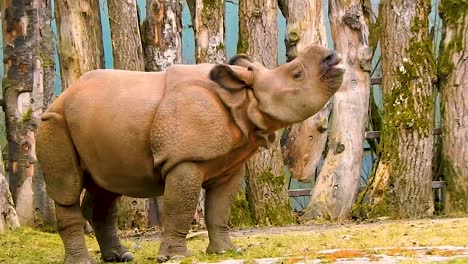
(440, 240)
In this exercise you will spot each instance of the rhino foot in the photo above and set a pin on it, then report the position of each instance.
(176, 258)
(167, 253)
(221, 247)
(114, 256)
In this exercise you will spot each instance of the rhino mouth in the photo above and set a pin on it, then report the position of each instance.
(331, 66)
(332, 71)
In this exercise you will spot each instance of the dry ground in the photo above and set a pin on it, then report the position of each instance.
(387, 241)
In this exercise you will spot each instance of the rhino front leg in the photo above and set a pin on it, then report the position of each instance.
(218, 202)
(182, 188)
(70, 224)
(100, 210)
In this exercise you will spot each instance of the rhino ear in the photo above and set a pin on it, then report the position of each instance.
(231, 77)
(240, 60)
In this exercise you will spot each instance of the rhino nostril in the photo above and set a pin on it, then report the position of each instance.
(332, 59)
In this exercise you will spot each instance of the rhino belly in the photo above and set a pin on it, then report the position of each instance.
(122, 169)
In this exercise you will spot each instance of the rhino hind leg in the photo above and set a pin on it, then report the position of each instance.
(99, 208)
(181, 193)
(70, 224)
(58, 160)
(64, 182)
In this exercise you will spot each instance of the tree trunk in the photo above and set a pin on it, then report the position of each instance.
(303, 143)
(28, 90)
(338, 182)
(265, 176)
(8, 217)
(162, 34)
(79, 38)
(128, 55)
(453, 67)
(127, 49)
(401, 186)
(208, 25)
(162, 47)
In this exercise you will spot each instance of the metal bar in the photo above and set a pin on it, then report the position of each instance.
(299, 192)
(372, 134)
(438, 184)
(308, 192)
(376, 134)
(376, 80)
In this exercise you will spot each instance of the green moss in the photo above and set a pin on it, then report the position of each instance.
(280, 214)
(27, 116)
(456, 193)
(293, 36)
(403, 109)
(47, 61)
(243, 44)
(420, 56)
(408, 106)
(359, 208)
(7, 83)
(452, 10)
(452, 13)
(383, 207)
(144, 35)
(210, 5)
(382, 204)
(240, 213)
(374, 34)
(221, 46)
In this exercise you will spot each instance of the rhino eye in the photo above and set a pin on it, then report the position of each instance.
(297, 75)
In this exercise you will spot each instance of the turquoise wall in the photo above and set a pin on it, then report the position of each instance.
(188, 40)
(188, 51)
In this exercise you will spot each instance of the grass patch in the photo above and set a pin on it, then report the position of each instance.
(26, 245)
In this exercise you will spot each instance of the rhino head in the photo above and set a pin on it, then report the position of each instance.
(290, 93)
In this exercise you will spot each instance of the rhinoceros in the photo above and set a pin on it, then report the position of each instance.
(170, 133)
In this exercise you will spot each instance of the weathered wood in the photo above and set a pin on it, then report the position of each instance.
(265, 176)
(79, 38)
(125, 32)
(208, 25)
(303, 143)
(338, 182)
(8, 217)
(128, 55)
(27, 91)
(162, 46)
(401, 186)
(162, 34)
(453, 69)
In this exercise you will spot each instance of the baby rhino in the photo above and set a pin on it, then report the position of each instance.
(171, 133)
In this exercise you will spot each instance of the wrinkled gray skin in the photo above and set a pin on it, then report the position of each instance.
(169, 133)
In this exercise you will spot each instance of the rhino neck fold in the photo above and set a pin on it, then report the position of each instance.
(261, 125)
